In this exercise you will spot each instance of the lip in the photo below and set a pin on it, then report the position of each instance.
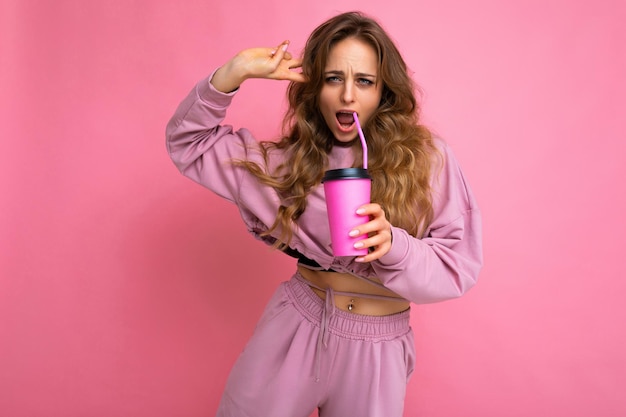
(346, 111)
(346, 129)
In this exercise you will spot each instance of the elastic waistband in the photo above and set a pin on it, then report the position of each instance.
(343, 323)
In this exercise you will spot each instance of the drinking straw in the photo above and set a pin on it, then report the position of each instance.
(363, 144)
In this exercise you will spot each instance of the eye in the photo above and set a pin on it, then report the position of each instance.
(364, 82)
(333, 79)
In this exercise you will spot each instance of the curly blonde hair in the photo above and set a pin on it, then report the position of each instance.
(400, 150)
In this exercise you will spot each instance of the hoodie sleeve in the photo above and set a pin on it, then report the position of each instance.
(445, 263)
(201, 148)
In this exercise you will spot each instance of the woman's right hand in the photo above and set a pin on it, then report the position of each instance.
(271, 63)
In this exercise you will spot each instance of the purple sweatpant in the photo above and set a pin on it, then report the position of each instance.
(306, 354)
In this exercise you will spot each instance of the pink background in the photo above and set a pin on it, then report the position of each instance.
(127, 290)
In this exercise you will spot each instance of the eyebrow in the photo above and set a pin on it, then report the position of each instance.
(358, 74)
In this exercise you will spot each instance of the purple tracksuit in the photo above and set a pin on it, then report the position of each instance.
(305, 353)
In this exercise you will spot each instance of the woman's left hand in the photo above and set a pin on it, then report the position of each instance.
(378, 230)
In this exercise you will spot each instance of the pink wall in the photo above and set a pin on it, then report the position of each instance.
(127, 290)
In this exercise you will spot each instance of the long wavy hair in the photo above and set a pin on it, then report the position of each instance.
(400, 150)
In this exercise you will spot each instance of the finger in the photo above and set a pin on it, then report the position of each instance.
(374, 255)
(295, 63)
(377, 252)
(287, 55)
(295, 76)
(279, 53)
(378, 240)
(373, 209)
(280, 46)
(377, 225)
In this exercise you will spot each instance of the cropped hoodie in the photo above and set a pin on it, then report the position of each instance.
(444, 264)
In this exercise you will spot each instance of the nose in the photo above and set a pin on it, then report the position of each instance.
(347, 95)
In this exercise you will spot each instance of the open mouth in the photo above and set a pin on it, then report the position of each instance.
(345, 119)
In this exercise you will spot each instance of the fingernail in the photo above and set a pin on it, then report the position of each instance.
(285, 46)
(353, 233)
(360, 211)
(360, 259)
(358, 245)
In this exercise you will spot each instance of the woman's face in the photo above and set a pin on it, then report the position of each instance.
(351, 84)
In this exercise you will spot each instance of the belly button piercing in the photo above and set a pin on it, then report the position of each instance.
(351, 305)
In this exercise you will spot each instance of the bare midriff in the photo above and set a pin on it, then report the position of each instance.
(364, 298)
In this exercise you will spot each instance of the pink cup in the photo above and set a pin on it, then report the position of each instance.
(346, 190)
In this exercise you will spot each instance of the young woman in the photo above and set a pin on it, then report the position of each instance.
(336, 336)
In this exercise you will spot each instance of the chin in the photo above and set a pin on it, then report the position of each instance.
(344, 141)
(344, 136)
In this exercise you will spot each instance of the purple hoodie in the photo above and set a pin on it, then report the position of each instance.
(442, 265)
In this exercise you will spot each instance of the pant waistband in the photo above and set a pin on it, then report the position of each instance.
(343, 323)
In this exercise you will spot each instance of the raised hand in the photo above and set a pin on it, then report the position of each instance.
(270, 63)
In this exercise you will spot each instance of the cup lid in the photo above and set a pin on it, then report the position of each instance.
(346, 174)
